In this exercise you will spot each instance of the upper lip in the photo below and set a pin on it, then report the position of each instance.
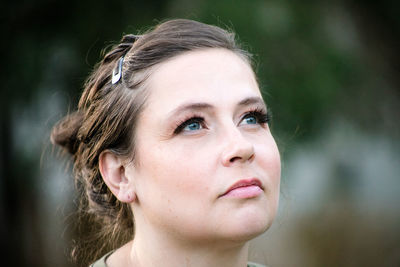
(243, 183)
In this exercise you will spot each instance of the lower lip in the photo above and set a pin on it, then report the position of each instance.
(250, 191)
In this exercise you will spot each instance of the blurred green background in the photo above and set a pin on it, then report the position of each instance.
(330, 70)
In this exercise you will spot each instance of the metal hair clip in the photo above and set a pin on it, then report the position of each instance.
(117, 71)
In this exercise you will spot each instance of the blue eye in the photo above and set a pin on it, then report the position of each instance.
(250, 120)
(255, 117)
(192, 126)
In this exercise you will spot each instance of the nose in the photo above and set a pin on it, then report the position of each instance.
(237, 149)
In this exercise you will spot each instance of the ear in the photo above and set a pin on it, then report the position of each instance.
(112, 170)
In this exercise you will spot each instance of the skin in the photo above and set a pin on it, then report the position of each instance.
(176, 182)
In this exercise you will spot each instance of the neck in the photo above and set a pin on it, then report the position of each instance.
(159, 249)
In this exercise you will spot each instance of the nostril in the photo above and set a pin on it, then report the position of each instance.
(239, 158)
(233, 159)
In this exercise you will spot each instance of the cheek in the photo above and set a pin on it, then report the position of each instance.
(270, 162)
(174, 193)
(173, 173)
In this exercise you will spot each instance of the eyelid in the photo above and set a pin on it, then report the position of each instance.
(183, 123)
(261, 114)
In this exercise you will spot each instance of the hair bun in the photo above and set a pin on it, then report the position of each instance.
(129, 38)
(65, 132)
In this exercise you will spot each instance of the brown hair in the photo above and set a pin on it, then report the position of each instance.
(106, 119)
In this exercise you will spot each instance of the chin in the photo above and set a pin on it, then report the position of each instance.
(247, 227)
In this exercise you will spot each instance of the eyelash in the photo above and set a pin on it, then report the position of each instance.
(261, 116)
(182, 124)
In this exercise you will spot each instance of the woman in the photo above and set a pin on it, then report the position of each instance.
(171, 139)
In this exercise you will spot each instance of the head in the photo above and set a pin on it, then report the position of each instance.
(185, 123)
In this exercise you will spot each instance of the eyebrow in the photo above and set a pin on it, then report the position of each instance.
(203, 105)
(191, 106)
(251, 101)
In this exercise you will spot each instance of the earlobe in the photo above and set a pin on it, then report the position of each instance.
(112, 170)
(126, 193)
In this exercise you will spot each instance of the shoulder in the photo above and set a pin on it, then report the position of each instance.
(253, 264)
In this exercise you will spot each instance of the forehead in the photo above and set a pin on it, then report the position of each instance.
(209, 75)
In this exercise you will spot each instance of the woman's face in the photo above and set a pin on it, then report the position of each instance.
(203, 132)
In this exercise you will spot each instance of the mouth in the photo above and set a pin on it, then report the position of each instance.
(247, 188)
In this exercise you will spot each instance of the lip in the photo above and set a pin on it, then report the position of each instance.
(246, 188)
